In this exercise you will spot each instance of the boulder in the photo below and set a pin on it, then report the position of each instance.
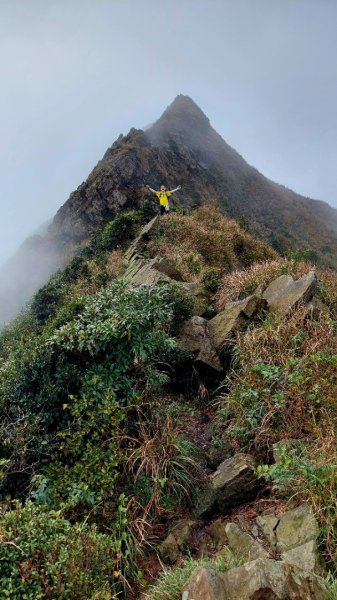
(296, 527)
(233, 318)
(204, 584)
(183, 532)
(218, 452)
(194, 338)
(304, 557)
(232, 483)
(293, 536)
(283, 294)
(266, 579)
(179, 539)
(151, 271)
(243, 545)
(261, 579)
(169, 550)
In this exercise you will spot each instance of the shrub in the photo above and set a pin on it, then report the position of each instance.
(44, 556)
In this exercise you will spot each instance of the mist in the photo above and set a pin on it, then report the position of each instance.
(75, 74)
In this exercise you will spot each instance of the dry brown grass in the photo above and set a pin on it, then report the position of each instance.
(115, 263)
(287, 378)
(204, 239)
(241, 283)
(328, 289)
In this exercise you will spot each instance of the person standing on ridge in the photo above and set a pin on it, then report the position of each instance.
(163, 196)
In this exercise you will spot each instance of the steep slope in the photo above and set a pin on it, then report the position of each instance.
(122, 415)
(182, 147)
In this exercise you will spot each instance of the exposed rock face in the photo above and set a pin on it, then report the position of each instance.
(284, 294)
(265, 579)
(233, 482)
(138, 246)
(233, 318)
(194, 337)
(152, 271)
(243, 545)
(178, 540)
(204, 584)
(293, 536)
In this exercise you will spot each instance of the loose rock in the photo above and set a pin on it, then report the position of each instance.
(284, 294)
(204, 584)
(169, 550)
(243, 545)
(233, 318)
(194, 338)
(233, 482)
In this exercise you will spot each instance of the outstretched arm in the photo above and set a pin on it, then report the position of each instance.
(150, 189)
(175, 189)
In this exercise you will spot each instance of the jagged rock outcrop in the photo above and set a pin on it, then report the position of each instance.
(261, 579)
(234, 317)
(243, 545)
(266, 579)
(283, 294)
(194, 337)
(233, 482)
(293, 536)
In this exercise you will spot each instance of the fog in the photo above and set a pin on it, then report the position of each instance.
(75, 74)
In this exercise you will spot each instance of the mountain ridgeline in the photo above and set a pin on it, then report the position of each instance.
(180, 148)
(168, 397)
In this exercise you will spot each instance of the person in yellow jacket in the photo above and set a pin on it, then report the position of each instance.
(163, 196)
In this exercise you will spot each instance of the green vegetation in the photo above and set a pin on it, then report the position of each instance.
(93, 438)
(80, 385)
(205, 244)
(44, 556)
(284, 387)
(75, 410)
(170, 582)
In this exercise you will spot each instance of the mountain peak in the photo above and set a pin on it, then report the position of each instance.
(184, 105)
(183, 115)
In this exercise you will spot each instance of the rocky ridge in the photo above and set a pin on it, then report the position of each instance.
(278, 552)
(180, 147)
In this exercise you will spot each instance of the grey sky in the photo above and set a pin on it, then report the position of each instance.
(76, 73)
